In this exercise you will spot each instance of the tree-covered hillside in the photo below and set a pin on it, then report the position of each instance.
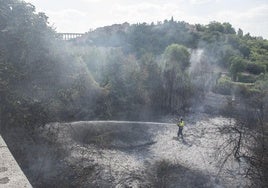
(219, 40)
(123, 70)
(155, 66)
(227, 61)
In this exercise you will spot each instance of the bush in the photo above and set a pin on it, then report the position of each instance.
(246, 78)
(238, 64)
(223, 86)
(244, 90)
(255, 68)
(266, 65)
(167, 174)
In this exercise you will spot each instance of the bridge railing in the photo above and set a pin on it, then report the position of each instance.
(11, 174)
(69, 36)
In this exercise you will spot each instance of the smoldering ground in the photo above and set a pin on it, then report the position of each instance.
(137, 154)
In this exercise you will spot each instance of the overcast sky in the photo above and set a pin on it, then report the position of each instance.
(81, 15)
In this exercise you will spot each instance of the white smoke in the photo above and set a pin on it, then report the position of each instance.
(195, 59)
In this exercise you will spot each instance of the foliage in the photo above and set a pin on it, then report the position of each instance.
(223, 86)
(40, 80)
(176, 56)
(177, 86)
(237, 65)
(255, 68)
(146, 64)
(120, 63)
(246, 78)
(219, 40)
(250, 127)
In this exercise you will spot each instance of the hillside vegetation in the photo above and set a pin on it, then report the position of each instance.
(116, 71)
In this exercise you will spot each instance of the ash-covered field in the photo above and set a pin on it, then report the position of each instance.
(141, 154)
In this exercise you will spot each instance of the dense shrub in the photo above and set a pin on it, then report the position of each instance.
(244, 90)
(237, 65)
(255, 68)
(223, 86)
(246, 78)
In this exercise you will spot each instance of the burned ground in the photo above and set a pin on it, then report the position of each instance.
(112, 135)
(141, 154)
(127, 154)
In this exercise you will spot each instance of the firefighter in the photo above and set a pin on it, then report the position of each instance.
(180, 125)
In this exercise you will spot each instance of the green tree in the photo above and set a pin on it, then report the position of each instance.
(152, 82)
(245, 50)
(240, 33)
(238, 64)
(228, 28)
(175, 77)
(215, 26)
(176, 55)
(37, 74)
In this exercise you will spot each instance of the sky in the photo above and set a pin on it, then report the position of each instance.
(80, 16)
